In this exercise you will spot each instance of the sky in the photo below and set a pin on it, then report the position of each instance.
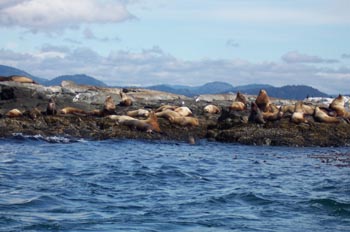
(181, 42)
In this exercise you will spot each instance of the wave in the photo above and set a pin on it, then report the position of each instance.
(335, 207)
(49, 139)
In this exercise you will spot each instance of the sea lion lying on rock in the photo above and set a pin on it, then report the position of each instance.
(138, 113)
(19, 79)
(183, 111)
(166, 107)
(184, 121)
(322, 116)
(168, 114)
(72, 110)
(212, 109)
(240, 103)
(14, 113)
(148, 125)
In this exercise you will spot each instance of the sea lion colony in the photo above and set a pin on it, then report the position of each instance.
(260, 111)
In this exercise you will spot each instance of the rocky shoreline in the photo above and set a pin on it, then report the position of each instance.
(232, 127)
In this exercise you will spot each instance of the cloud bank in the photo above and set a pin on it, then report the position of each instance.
(43, 15)
(154, 66)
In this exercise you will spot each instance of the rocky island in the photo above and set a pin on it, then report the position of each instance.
(222, 117)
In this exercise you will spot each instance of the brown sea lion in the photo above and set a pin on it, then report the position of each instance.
(241, 98)
(212, 109)
(153, 121)
(166, 107)
(120, 118)
(256, 115)
(138, 113)
(273, 113)
(183, 111)
(288, 109)
(322, 116)
(338, 105)
(298, 114)
(184, 121)
(263, 100)
(168, 114)
(72, 110)
(308, 109)
(14, 113)
(109, 106)
(148, 125)
(237, 106)
(126, 100)
(21, 79)
(137, 125)
(51, 107)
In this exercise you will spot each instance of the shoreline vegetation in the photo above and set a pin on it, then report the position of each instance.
(134, 113)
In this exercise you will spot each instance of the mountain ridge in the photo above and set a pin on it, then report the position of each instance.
(297, 92)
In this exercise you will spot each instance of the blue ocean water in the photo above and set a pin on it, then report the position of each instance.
(61, 184)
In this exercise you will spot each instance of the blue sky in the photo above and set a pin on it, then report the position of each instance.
(147, 42)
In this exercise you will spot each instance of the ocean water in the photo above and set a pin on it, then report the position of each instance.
(63, 184)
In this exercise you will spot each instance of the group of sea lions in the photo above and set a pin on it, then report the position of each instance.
(261, 110)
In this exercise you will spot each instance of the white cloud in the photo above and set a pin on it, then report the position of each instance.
(154, 66)
(43, 15)
(296, 57)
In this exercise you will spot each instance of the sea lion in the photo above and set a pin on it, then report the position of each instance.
(109, 106)
(273, 113)
(72, 110)
(168, 114)
(298, 114)
(308, 109)
(183, 111)
(21, 79)
(237, 106)
(255, 114)
(148, 125)
(14, 113)
(126, 100)
(322, 116)
(166, 107)
(184, 121)
(137, 125)
(241, 98)
(212, 109)
(338, 105)
(287, 109)
(120, 118)
(51, 107)
(138, 113)
(153, 121)
(263, 100)
(2, 78)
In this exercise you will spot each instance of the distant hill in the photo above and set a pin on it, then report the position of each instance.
(208, 88)
(81, 79)
(297, 92)
(10, 71)
(251, 87)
